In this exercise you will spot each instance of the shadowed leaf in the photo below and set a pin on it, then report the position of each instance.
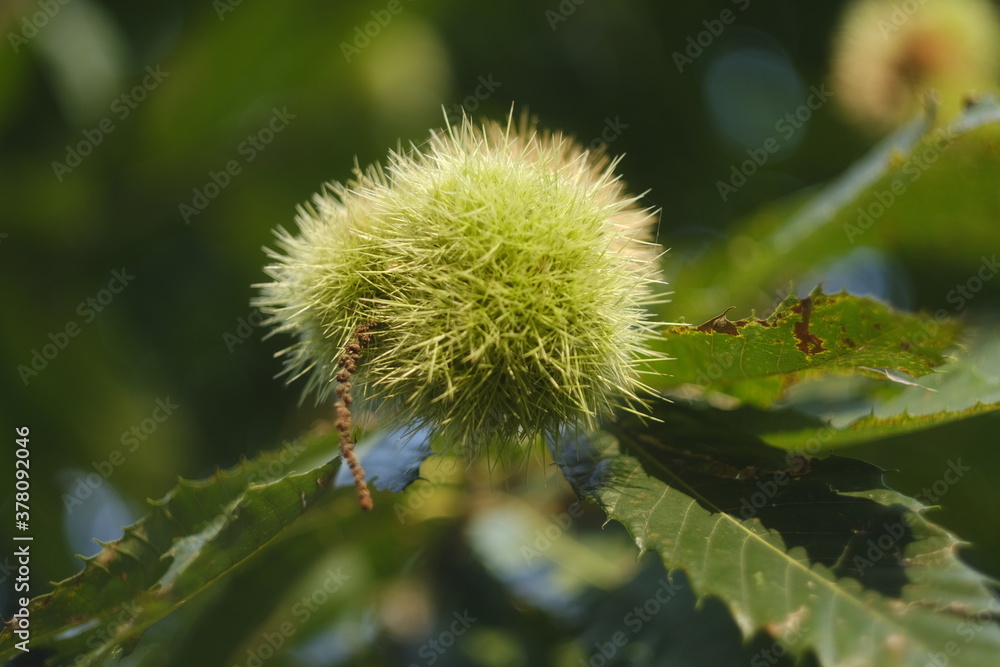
(924, 192)
(820, 549)
(195, 535)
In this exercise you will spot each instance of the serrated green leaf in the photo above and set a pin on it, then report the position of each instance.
(196, 535)
(828, 417)
(192, 536)
(755, 360)
(943, 210)
(821, 551)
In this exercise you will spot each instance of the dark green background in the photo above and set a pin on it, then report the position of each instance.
(165, 335)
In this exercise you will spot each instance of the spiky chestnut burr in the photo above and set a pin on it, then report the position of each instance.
(500, 274)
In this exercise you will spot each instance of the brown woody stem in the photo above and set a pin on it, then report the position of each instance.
(348, 365)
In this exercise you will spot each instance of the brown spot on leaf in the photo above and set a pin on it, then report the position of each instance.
(720, 324)
(809, 343)
(790, 624)
(800, 465)
(848, 342)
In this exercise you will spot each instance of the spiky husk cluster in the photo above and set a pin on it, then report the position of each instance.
(502, 274)
(887, 55)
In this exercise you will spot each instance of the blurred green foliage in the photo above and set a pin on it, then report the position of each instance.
(175, 104)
